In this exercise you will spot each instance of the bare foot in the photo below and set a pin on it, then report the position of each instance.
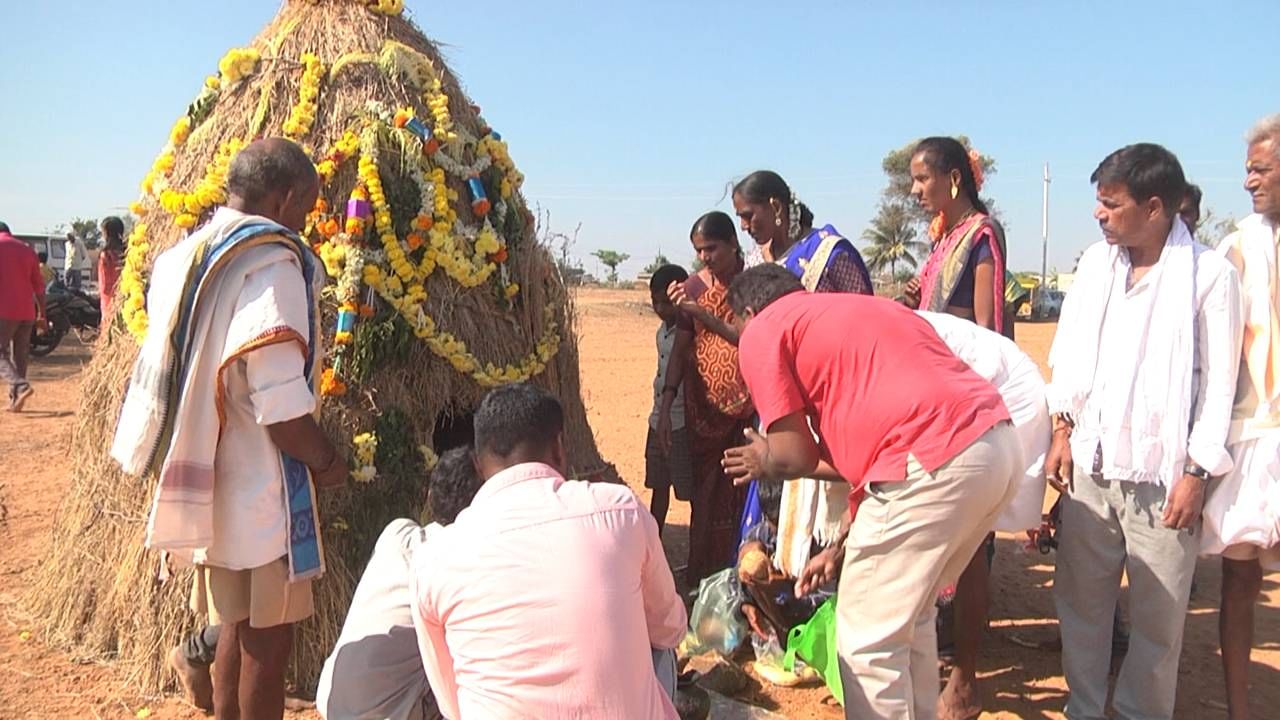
(197, 686)
(960, 700)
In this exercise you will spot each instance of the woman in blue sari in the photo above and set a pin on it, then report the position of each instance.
(782, 228)
(810, 511)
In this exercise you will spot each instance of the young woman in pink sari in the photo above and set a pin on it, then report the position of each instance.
(963, 276)
(965, 272)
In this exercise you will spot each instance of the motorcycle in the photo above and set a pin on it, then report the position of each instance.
(66, 309)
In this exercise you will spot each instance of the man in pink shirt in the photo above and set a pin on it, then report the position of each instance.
(21, 307)
(545, 597)
(925, 443)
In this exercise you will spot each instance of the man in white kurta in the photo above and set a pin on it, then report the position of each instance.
(1144, 371)
(1242, 515)
(232, 308)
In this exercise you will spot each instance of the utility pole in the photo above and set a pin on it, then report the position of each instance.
(1044, 233)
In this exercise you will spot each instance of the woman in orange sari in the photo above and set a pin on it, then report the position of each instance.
(964, 276)
(717, 405)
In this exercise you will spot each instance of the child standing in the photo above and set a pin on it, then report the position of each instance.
(666, 450)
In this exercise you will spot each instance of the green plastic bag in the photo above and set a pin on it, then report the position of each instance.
(815, 643)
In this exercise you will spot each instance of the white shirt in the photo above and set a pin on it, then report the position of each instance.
(75, 252)
(666, 339)
(998, 360)
(262, 387)
(375, 670)
(1217, 357)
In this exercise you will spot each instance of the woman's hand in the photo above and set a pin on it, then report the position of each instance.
(911, 294)
(681, 299)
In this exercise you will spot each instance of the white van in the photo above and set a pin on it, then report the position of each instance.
(55, 248)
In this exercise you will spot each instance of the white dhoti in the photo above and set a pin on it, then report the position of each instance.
(1034, 428)
(1242, 513)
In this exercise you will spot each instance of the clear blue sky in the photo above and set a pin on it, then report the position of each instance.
(631, 117)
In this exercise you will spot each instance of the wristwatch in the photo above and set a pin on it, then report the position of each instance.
(1195, 470)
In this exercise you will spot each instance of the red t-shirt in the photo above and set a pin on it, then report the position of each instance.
(875, 377)
(20, 279)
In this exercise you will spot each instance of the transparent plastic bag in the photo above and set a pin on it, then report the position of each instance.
(716, 622)
(768, 650)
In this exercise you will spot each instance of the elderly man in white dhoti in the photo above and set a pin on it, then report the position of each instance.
(1242, 515)
(221, 404)
(1144, 370)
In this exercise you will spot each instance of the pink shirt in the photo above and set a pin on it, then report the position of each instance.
(109, 263)
(20, 279)
(877, 379)
(544, 600)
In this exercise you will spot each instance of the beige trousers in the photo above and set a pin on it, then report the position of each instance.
(909, 540)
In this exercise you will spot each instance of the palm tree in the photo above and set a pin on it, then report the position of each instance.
(892, 236)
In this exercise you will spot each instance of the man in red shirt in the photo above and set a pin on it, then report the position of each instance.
(21, 295)
(925, 443)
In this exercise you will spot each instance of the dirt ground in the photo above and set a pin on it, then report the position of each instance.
(1020, 679)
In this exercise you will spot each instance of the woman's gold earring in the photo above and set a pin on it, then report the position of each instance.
(955, 189)
(777, 220)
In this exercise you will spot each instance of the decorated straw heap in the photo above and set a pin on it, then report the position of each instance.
(438, 290)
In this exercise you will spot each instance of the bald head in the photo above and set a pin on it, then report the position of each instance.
(273, 178)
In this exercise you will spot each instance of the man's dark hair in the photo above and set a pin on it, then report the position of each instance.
(112, 227)
(758, 287)
(1193, 197)
(4, 227)
(266, 166)
(1146, 170)
(454, 483)
(770, 496)
(41, 256)
(515, 415)
(664, 276)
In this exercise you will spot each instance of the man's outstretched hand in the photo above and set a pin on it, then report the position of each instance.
(748, 461)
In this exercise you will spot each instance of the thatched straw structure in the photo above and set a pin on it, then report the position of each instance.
(98, 591)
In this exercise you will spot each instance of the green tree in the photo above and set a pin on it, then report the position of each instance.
(658, 262)
(612, 259)
(88, 231)
(1212, 228)
(892, 238)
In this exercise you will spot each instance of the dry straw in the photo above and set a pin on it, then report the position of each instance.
(97, 591)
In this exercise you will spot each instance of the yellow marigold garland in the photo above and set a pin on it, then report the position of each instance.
(238, 64)
(402, 282)
(496, 149)
(438, 102)
(210, 190)
(385, 7)
(132, 285)
(366, 449)
(303, 114)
